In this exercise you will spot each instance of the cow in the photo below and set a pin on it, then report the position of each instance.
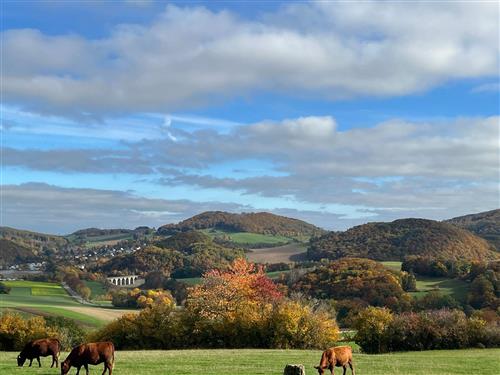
(340, 356)
(90, 354)
(40, 348)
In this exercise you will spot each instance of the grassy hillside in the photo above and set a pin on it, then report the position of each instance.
(395, 240)
(292, 252)
(260, 222)
(484, 224)
(272, 362)
(40, 298)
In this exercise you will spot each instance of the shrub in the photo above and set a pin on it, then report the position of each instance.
(426, 330)
(15, 331)
(372, 324)
(4, 289)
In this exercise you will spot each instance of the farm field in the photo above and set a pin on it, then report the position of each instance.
(40, 298)
(248, 239)
(272, 362)
(287, 253)
(456, 288)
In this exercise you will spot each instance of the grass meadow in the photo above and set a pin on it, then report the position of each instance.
(272, 362)
(50, 299)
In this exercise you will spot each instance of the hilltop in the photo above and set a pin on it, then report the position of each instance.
(259, 222)
(397, 239)
(484, 224)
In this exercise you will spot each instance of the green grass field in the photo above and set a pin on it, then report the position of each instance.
(456, 288)
(40, 298)
(97, 289)
(245, 238)
(272, 362)
(393, 265)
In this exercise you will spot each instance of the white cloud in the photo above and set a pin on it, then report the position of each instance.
(189, 56)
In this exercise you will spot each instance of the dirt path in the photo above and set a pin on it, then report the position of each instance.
(99, 312)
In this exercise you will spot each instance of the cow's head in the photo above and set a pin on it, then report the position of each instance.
(20, 360)
(320, 369)
(65, 366)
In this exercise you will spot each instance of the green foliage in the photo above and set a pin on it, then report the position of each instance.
(355, 278)
(400, 238)
(408, 281)
(378, 331)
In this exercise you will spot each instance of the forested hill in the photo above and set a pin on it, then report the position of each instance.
(33, 241)
(12, 253)
(395, 240)
(484, 224)
(260, 222)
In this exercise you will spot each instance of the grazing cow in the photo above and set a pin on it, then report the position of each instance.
(90, 354)
(40, 348)
(340, 356)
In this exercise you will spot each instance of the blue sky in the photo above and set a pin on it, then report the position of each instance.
(128, 113)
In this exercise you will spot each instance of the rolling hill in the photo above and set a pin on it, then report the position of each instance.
(12, 253)
(34, 241)
(397, 239)
(484, 224)
(259, 222)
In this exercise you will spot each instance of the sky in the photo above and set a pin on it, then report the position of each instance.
(116, 114)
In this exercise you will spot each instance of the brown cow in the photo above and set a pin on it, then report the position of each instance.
(40, 348)
(340, 356)
(90, 354)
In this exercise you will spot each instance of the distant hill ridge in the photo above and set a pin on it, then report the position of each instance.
(11, 253)
(484, 224)
(34, 241)
(397, 239)
(259, 222)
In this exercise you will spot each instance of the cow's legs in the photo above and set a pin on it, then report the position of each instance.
(345, 369)
(86, 368)
(53, 361)
(332, 369)
(109, 367)
(39, 363)
(31, 361)
(352, 368)
(78, 370)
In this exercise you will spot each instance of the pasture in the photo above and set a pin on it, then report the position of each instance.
(272, 362)
(292, 252)
(248, 239)
(50, 299)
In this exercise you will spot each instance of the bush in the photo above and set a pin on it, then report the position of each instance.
(435, 300)
(4, 289)
(379, 332)
(239, 307)
(15, 331)
(69, 333)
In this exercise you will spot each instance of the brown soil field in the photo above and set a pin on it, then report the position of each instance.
(288, 253)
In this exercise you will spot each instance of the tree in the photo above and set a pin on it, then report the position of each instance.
(408, 281)
(223, 293)
(481, 293)
(371, 325)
